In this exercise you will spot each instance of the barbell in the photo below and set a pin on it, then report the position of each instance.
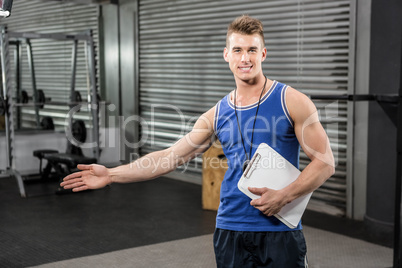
(41, 98)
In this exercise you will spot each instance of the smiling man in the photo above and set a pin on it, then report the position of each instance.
(258, 110)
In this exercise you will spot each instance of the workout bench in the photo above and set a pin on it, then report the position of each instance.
(64, 163)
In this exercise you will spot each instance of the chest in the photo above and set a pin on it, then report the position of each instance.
(248, 126)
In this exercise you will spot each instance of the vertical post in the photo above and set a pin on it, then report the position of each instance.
(398, 183)
(72, 81)
(352, 112)
(33, 79)
(137, 110)
(93, 97)
(7, 96)
(398, 190)
(17, 62)
(73, 69)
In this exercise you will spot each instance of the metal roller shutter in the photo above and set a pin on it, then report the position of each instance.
(52, 59)
(182, 71)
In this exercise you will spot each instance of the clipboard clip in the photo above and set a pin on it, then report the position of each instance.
(252, 165)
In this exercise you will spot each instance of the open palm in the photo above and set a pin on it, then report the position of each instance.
(90, 177)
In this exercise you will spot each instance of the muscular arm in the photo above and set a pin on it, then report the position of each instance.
(314, 141)
(162, 162)
(150, 166)
(315, 144)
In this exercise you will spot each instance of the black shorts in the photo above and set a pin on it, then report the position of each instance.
(260, 249)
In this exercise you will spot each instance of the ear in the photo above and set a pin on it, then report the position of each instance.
(264, 53)
(225, 54)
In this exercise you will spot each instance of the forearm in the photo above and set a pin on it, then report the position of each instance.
(162, 162)
(311, 178)
(147, 167)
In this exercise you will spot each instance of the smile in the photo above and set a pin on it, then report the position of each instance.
(245, 69)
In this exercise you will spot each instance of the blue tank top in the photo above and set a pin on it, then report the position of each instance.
(274, 127)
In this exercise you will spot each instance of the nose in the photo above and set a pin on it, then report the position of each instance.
(245, 57)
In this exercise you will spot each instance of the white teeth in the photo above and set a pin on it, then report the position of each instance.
(245, 68)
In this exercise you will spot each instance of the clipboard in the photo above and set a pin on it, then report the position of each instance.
(269, 169)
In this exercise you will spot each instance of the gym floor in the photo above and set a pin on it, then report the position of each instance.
(119, 225)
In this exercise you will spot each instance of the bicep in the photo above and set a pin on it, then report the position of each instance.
(311, 135)
(313, 139)
(198, 140)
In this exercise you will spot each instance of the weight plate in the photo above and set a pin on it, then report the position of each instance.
(76, 96)
(24, 96)
(41, 98)
(79, 131)
(76, 99)
(47, 123)
(2, 106)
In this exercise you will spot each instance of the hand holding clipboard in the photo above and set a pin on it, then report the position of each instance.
(269, 169)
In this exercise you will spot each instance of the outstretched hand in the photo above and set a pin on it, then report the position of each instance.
(90, 177)
(270, 202)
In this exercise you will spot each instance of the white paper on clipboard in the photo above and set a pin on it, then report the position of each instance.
(269, 169)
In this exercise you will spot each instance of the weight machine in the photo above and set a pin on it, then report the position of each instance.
(7, 103)
(38, 99)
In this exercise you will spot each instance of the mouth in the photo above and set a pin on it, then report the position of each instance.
(245, 68)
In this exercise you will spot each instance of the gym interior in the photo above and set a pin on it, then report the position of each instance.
(109, 81)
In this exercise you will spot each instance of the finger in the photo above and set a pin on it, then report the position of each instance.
(73, 176)
(74, 184)
(71, 180)
(263, 210)
(271, 211)
(256, 202)
(79, 189)
(267, 212)
(84, 167)
(77, 184)
(257, 191)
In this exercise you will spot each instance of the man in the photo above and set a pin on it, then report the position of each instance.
(258, 110)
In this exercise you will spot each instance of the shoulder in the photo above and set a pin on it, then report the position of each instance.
(299, 105)
(210, 113)
(205, 121)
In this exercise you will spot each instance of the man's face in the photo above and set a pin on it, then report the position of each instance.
(245, 55)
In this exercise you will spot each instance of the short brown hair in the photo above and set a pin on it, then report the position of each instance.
(245, 25)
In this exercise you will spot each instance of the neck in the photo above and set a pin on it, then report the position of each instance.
(252, 87)
(248, 93)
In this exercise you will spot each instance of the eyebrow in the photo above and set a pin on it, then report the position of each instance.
(233, 48)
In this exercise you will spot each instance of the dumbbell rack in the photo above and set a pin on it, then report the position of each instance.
(6, 96)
